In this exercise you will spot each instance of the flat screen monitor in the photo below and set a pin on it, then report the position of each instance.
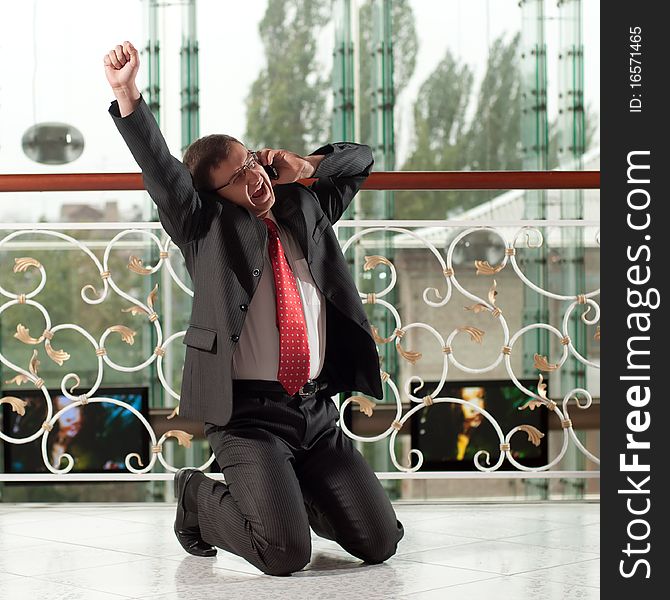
(98, 435)
(450, 434)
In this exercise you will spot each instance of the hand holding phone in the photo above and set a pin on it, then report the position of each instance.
(271, 171)
(283, 166)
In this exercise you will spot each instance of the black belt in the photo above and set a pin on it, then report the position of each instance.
(310, 388)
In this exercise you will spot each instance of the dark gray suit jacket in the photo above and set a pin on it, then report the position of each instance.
(223, 245)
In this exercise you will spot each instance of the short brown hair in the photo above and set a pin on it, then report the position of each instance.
(206, 153)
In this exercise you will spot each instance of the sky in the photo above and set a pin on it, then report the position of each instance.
(52, 71)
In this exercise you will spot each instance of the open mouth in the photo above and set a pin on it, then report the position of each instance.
(259, 194)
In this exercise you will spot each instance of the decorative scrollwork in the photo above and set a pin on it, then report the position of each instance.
(476, 335)
(449, 279)
(127, 334)
(18, 405)
(531, 238)
(22, 264)
(135, 265)
(540, 362)
(365, 405)
(484, 268)
(534, 434)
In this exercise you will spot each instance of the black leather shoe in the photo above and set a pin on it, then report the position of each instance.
(188, 535)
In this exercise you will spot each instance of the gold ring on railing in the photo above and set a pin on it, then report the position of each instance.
(565, 423)
(446, 349)
(372, 298)
(581, 299)
(101, 351)
(504, 447)
(448, 272)
(163, 254)
(105, 274)
(428, 400)
(21, 298)
(153, 316)
(384, 376)
(83, 399)
(47, 426)
(565, 340)
(506, 350)
(48, 334)
(157, 449)
(159, 351)
(399, 332)
(496, 313)
(39, 382)
(396, 425)
(552, 405)
(510, 251)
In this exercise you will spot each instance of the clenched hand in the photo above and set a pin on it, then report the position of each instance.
(121, 65)
(290, 166)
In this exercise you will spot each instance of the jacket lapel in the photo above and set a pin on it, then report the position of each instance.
(288, 211)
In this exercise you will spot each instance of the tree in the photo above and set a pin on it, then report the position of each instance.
(405, 47)
(493, 140)
(590, 126)
(439, 137)
(286, 103)
(490, 141)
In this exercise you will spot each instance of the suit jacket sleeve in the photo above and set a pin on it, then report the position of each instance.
(166, 178)
(340, 175)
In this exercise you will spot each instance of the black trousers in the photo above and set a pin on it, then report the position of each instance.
(288, 466)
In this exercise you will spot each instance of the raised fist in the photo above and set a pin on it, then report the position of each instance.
(121, 66)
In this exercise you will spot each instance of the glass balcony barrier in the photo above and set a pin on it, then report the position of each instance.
(486, 323)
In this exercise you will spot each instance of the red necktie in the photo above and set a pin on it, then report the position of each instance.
(293, 344)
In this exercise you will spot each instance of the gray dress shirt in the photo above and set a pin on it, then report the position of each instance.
(257, 353)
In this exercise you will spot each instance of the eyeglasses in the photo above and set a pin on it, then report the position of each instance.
(250, 163)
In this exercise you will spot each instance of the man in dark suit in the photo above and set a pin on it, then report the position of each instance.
(277, 327)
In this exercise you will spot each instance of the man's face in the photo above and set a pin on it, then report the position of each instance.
(249, 187)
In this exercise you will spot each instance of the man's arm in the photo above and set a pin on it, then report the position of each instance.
(165, 177)
(340, 174)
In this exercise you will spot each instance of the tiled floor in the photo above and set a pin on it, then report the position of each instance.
(482, 551)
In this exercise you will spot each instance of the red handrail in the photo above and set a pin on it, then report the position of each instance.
(392, 180)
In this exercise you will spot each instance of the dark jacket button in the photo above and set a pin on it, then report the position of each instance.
(244, 307)
(235, 337)
(256, 272)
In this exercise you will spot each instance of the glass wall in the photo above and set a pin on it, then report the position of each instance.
(429, 84)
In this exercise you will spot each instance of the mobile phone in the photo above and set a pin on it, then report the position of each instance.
(271, 171)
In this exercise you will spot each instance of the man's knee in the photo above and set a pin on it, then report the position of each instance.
(287, 559)
(379, 553)
(383, 546)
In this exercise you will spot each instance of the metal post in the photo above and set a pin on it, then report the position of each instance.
(534, 137)
(152, 96)
(343, 73)
(535, 143)
(152, 59)
(571, 148)
(383, 147)
(190, 126)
